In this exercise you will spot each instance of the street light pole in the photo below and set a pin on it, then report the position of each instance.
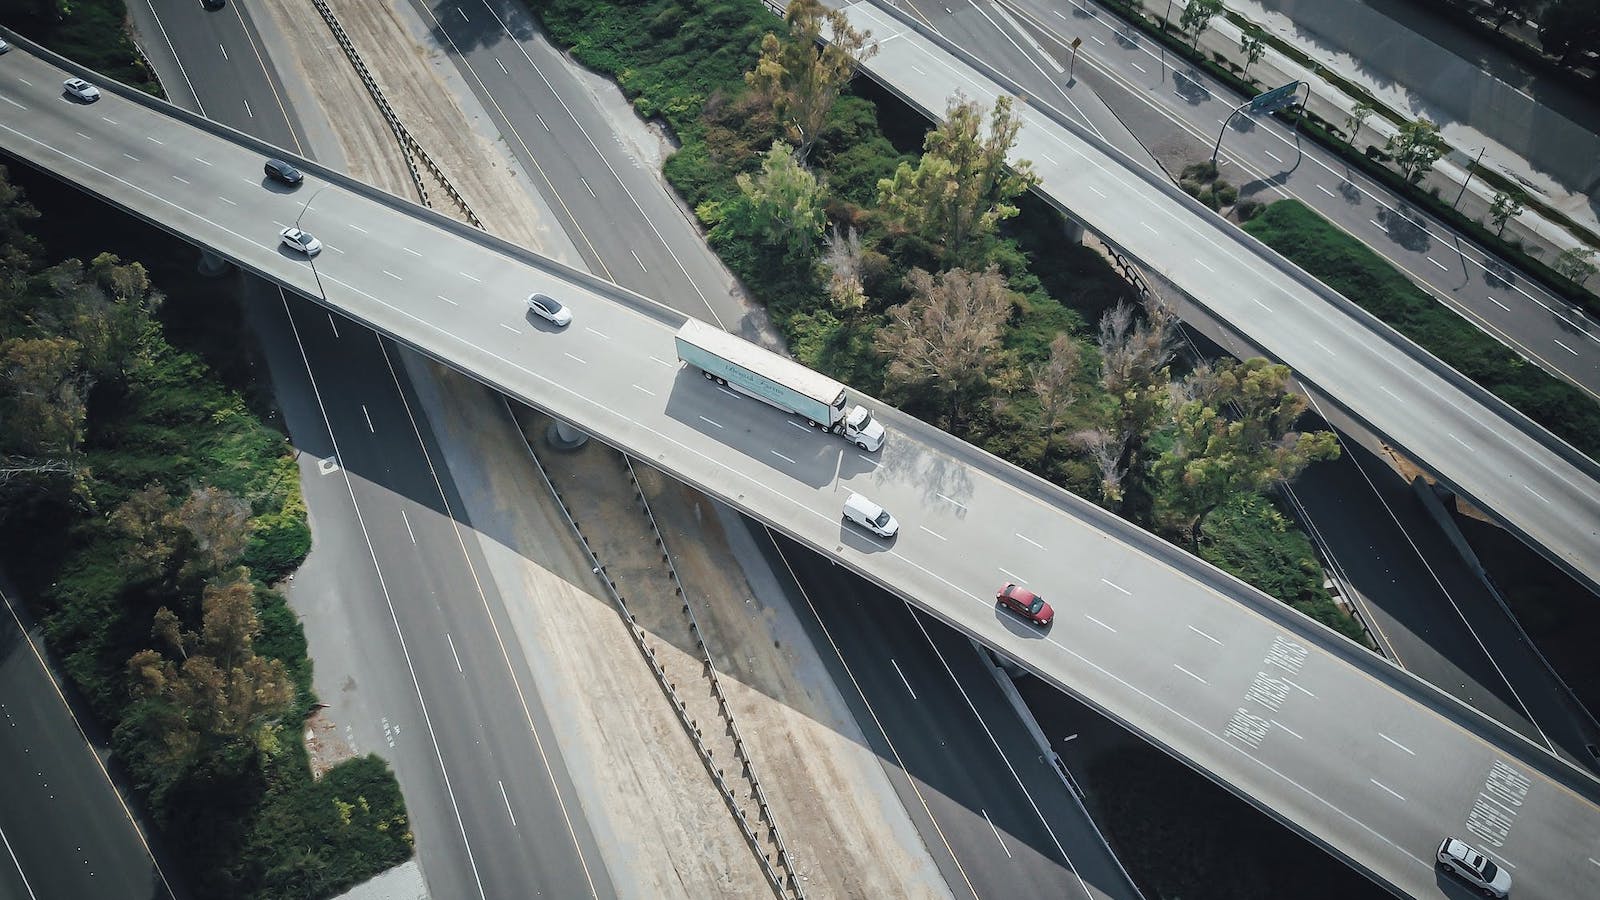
(1468, 180)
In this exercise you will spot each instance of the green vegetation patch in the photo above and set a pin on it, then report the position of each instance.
(1349, 267)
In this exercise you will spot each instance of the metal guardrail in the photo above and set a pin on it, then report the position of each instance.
(784, 885)
(410, 147)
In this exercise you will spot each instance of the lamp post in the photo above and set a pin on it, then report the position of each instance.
(1468, 180)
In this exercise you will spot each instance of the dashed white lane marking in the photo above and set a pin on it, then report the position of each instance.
(1139, 67)
(599, 334)
(949, 501)
(1388, 789)
(1535, 493)
(108, 121)
(227, 201)
(1100, 623)
(510, 328)
(392, 275)
(1091, 37)
(1190, 674)
(1206, 636)
(1273, 155)
(447, 299)
(25, 81)
(154, 141)
(1203, 264)
(1377, 224)
(919, 71)
(1324, 347)
(180, 178)
(224, 53)
(1458, 440)
(996, 833)
(1260, 304)
(507, 799)
(1325, 190)
(1389, 392)
(637, 259)
(902, 678)
(1437, 263)
(1046, 158)
(457, 657)
(1499, 304)
(368, 416)
(1012, 575)
(1564, 346)
(1286, 728)
(577, 359)
(541, 121)
(1101, 194)
(131, 156)
(782, 457)
(82, 135)
(931, 531)
(1117, 587)
(470, 277)
(1029, 540)
(200, 161)
(798, 425)
(1148, 228)
(13, 102)
(407, 519)
(664, 362)
(642, 390)
(332, 325)
(358, 228)
(1397, 743)
(1299, 688)
(588, 188)
(502, 66)
(412, 252)
(247, 110)
(710, 422)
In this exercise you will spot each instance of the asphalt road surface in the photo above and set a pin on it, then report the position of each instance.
(1139, 623)
(418, 632)
(64, 831)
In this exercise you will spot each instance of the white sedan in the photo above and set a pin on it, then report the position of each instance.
(1474, 868)
(81, 89)
(550, 309)
(295, 239)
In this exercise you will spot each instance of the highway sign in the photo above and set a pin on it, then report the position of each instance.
(1275, 99)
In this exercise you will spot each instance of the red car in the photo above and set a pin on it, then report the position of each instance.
(1027, 604)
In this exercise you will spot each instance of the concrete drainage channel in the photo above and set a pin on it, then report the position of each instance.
(409, 146)
(637, 582)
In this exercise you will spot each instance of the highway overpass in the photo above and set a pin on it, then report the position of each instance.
(1533, 482)
(1364, 758)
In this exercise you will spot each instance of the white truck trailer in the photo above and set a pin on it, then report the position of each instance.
(744, 367)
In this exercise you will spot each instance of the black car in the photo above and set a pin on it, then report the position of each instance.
(212, 4)
(280, 171)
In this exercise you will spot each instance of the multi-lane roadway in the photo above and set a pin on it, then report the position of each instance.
(1368, 759)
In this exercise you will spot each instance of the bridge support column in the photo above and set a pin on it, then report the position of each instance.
(564, 437)
(212, 265)
(1073, 229)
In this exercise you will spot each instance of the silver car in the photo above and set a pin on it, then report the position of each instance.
(295, 239)
(81, 89)
(550, 309)
(1459, 858)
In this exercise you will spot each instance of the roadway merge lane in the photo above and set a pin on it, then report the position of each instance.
(1472, 441)
(1364, 757)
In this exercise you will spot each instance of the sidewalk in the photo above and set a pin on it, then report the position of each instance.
(1544, 239)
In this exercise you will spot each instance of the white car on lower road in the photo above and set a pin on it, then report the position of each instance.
(1477, 870)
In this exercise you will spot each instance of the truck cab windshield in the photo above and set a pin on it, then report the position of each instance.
(861, 420)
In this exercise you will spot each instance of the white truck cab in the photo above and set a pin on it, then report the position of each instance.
(860, 427)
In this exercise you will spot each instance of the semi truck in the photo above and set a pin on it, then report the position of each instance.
(741, 366)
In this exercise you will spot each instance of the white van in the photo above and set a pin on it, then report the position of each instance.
(870, 516)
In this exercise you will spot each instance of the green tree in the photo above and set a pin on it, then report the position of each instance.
(1135, 356)
(1415, 148)
(1196, 18)
(1359, 114)
(1575, 264)
(219, 693)
(1233, 434)
(946, 338)
(42, 411)
(1503, 209)
(1570, 28)
(962, 188)
(19, 250)
(1054, 383)
(801, 75)
(780, 208)
(1253, 44)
